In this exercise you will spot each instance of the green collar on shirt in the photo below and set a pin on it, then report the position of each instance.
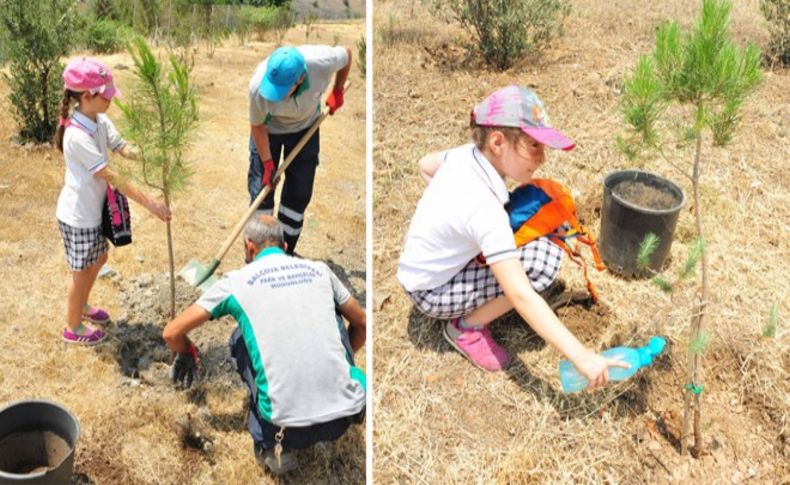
(302, 87)
(268, 251)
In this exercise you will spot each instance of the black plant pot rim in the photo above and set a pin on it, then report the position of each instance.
(43, 473)
(645, 210)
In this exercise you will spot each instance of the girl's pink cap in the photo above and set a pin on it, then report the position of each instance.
(86, 74)
(518, 107)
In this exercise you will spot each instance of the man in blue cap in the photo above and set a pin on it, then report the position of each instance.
(285, 99)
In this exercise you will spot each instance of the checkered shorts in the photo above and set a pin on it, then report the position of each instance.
(475, 284)
(83, 245)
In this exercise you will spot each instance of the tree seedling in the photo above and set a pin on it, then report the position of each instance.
(159, 116)
(706, 77)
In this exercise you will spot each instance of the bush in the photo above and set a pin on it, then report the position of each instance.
(39, 35)
(106, 36)
(362, 56)
(269, 19)
(777, 12)
(3, 45)
(507, 30)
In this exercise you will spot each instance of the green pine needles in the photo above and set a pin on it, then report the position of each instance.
(702, 68)
(647, 247)
(769, 331)
(159, 117)
(693, 258)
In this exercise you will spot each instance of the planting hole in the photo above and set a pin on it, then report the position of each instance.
(139, 346)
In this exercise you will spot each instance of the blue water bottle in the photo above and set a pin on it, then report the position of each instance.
(572, 380)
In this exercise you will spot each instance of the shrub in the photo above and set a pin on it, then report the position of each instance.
(269, 19)
(106, 36)
(362, 56)
(309, 21)
(39, 35)
(3, 45)
(507, 30)
(777, 12)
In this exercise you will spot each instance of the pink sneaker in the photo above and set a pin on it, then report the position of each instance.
(92, 337)
(477, 345)
(95, 314)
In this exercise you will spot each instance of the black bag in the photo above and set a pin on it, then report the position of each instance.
(116, 223)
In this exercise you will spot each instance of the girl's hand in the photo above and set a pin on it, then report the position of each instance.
(595, 367)
(160, 210)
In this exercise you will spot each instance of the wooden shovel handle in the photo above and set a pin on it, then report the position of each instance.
(266, 189)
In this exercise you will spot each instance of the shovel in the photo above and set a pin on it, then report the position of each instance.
(195, 273)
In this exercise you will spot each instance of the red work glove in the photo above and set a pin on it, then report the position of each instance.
(335, 101)
(268, 172)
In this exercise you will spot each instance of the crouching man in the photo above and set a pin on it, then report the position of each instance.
(291, 348)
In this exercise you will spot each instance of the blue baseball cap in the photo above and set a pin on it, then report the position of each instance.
(284, 67)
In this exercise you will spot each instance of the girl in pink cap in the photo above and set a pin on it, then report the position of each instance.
(461, 217)
(86, 136)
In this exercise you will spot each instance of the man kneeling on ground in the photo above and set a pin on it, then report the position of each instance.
(291, 348)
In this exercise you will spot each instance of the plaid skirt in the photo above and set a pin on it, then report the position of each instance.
(83, 245)
(476, 284)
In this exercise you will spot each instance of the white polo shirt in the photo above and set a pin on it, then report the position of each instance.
(86, 147)
(461, 214)
(296, 113)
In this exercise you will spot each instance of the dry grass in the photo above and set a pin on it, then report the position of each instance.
(130, 430)
(438, 419)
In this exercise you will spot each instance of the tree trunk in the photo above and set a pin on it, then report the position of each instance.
(694, 370)
(172, 262)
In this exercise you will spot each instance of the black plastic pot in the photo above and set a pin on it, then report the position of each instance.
(624, 224)
(22, 420)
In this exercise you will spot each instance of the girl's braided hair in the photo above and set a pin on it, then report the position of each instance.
(69, 97)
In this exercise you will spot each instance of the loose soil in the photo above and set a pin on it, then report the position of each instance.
(32, 452)
(645, 195)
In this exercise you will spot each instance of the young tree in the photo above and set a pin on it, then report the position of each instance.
(39, 34)
(159, 117)
(708, 75)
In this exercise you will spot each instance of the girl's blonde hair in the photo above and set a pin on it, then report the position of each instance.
(69, 97)
(481, 133)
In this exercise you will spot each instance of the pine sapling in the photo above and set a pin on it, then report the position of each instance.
(705, 72)
(159, 116)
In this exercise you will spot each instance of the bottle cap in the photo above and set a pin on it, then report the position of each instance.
(656, 345)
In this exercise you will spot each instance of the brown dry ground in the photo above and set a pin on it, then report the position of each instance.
(131, 427)
(440, 420)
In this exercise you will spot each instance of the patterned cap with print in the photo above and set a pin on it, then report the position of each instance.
(518, 107)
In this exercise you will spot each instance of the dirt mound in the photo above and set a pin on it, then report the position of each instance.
(136, 342)
(146, 298)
